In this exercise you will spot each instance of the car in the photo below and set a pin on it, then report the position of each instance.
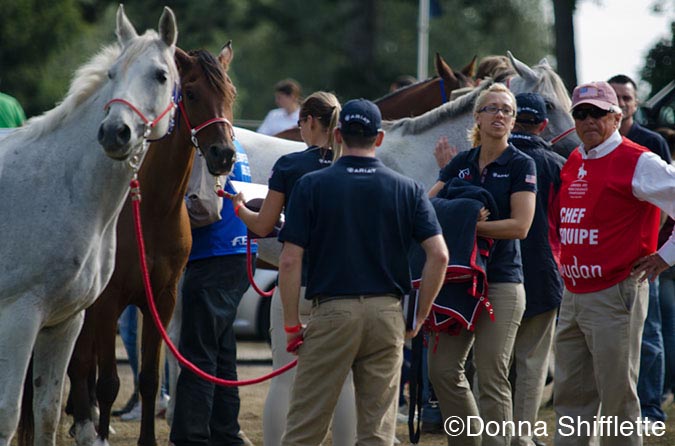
(253, 314)
(659, 110)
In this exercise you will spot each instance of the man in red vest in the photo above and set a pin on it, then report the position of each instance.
(609, 198)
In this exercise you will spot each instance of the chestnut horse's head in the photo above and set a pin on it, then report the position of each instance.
(419, 98)
(207, 104)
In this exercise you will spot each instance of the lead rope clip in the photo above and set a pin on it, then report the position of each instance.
(220, 191)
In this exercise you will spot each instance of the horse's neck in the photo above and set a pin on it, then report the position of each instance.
(165, 173)
(79, 162)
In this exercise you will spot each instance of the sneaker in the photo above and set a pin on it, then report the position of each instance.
(134, 414)
(243, 436)
(402, 414)
(127, 407)
(162, 405)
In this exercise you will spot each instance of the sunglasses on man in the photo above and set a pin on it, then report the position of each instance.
(582, 113)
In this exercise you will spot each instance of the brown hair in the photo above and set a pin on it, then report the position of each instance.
(289, 87)
(324, 107)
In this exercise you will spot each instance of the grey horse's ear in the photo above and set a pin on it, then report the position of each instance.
(523, 69)
(168, 31)
(544, 62)
(226, 55)
(125, 30)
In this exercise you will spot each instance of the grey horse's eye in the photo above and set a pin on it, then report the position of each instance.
(160, 76)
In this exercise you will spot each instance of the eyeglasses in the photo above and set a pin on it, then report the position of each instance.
(301, 120)
(493, 110)
(583, 113)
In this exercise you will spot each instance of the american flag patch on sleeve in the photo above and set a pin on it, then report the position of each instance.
(532, 179)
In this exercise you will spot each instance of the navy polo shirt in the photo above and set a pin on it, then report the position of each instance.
(543, 284)
(512, 172)
(356, 221)
(651, 140)
(289, 168)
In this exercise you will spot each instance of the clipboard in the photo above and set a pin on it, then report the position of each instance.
(250, 190)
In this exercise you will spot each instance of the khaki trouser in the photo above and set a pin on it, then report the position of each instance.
(493, 344)
(364, 335)
(530, 354)
(279, 394)
(597, 346)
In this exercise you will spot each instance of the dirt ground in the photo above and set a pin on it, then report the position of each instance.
(255, 360)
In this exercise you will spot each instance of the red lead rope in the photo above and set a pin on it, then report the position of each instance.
(249, 272)
(136, 205)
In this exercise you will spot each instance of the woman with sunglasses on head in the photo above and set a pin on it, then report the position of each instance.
(319, 116)
(510, 176)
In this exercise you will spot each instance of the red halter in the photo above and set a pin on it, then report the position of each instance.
(149, 125)
(195, 130)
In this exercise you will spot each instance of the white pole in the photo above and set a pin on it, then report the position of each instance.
(423, 41)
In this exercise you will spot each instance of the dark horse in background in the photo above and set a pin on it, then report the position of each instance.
(417, 98)
(207, 93)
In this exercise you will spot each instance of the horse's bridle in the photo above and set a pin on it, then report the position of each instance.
(444, 95)
(562, 136)
(555, 139)
(149, 125)
(202, 126)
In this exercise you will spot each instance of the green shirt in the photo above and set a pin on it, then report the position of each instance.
(11, 113)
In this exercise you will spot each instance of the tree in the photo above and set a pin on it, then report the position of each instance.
(659, 67)
(36, 31)
(351, 47)
(564, 41)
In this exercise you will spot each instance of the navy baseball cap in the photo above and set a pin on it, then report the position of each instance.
(531, 108)
(360, 117)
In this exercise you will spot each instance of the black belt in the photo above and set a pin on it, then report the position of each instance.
(322, 298)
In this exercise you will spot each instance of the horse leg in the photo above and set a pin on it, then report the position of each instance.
(82, 365)
(108, 384)
(149, 374)
(53, 348)
(18, 329)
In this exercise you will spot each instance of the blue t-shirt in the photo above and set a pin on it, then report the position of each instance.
(228, 235)
(543, 284)
(512, 172)
(356, 221)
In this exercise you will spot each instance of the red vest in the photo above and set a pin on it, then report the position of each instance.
(604, 229)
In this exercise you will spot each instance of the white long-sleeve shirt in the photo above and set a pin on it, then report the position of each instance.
(278, 120)
(653, 181)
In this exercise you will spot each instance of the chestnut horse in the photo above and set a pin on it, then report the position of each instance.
(417, 98)
(207, 93)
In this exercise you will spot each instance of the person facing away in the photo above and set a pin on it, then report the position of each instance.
(355, 221)
(287, 93)
(540, 251)
(11, 112)
(319, 116)
(652, 357)
(510, 176)
(214, 281)
(609, 219)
